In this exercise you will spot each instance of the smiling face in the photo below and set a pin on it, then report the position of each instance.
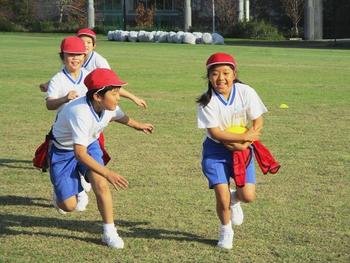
(73, 62)
(89, 43)
(221, 78)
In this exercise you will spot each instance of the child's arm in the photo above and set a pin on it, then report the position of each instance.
(237, 146)
(145, 127)
(258, 123)
(44, 86)
(115, 179)
(54, 104)
(138, 101)
(227, 137)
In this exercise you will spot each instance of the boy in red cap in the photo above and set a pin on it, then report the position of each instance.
(226, 104)
(76, 150)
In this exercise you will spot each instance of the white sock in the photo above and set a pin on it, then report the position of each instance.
(234, 199)
(227, 228)
(107, 228)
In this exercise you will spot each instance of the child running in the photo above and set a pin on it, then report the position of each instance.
(76, 150)
(93, 60)
(228, 103)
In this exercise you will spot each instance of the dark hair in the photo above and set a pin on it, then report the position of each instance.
(61, 54)
(204, 99)
(90, 93)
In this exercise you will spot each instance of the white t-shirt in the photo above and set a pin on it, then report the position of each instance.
(78, 123)
(243, 105)
(62, 83)
(95, 61)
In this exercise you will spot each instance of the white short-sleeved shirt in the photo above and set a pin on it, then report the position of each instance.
(95, 61)
(243, 105)
(62, 83)
(78, 123)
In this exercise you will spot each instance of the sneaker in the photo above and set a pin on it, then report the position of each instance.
(85, 184)
(113, 240)
(226, 239)
(83, 201)
(236, 211)
(54, 202)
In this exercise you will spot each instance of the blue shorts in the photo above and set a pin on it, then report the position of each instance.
(65, 169)
(217, 164)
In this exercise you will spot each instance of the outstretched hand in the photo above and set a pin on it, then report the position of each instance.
(141, 103)
(118, 181)
(146, 128)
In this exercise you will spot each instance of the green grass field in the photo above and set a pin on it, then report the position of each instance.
(168, 214)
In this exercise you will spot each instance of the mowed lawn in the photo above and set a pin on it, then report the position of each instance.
(168, 214)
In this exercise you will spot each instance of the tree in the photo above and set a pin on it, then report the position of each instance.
(294, 10)
(72, 9)
(144, 16)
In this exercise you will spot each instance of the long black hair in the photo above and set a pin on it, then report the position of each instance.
(204, 99)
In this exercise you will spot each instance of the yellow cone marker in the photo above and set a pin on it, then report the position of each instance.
(284, 106)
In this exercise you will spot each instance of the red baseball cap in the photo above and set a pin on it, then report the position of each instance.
(73, 45)
(100, 78)
(87, 32)
(221, 58)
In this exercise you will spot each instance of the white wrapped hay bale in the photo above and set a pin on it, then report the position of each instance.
(171, 37)
(163, 37)
(132, 36)
(198, 36)
(207, 38)
(123, 35)
(189, 38)
(141, 36)
(156, 36)
(149, 36)
(218, 39)
(110, 35)
(179, 37)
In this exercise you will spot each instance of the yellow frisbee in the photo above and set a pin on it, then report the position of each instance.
(236, 129)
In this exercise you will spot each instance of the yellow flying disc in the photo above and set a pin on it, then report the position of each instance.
(284, 106)
(236, 129)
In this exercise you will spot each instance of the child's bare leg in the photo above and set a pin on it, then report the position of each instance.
(103, 194)
(246, 193)
(69, 204)
(223, 196)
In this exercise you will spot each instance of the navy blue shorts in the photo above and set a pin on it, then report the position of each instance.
(65, 169)
(217, 164)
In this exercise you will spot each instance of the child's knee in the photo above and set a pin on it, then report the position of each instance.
(68, 205)
(101, 187)
(248, 197)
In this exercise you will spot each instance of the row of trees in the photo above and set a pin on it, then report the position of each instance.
(286, 15)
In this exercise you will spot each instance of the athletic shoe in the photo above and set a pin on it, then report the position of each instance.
(225, 239)
(54, 202)
(112, 239)
(85, 184)
(82, 202)
(236, 211)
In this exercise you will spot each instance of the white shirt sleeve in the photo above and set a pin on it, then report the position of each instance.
(53, 89)
(101, 62)
(118, 114)
(207, 116)
(255, 106)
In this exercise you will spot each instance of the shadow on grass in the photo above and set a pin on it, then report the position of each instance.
(26, 201)
(12, 163)
(9, 225)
